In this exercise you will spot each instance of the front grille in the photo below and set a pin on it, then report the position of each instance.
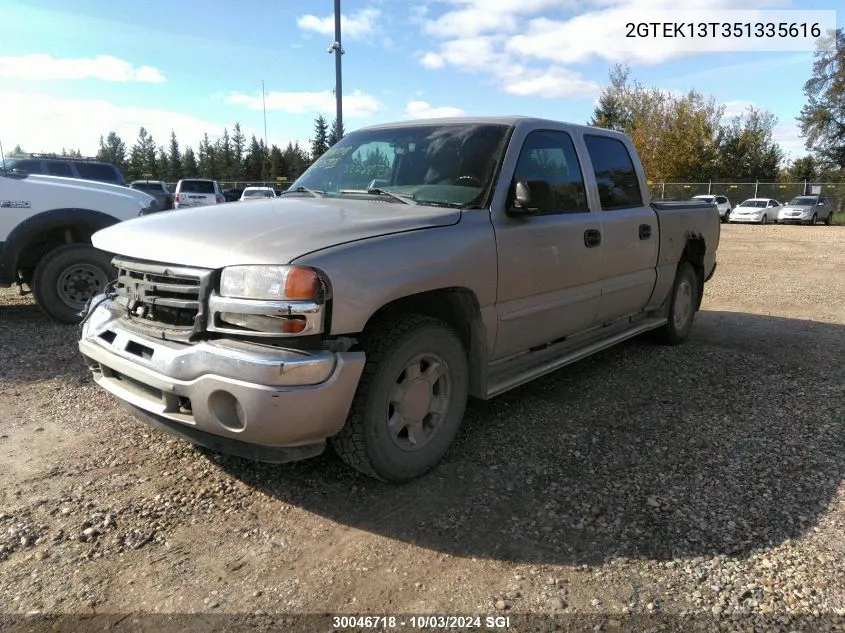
(163, 300)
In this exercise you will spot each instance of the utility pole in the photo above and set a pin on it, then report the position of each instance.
(337, 49)
(264, 153)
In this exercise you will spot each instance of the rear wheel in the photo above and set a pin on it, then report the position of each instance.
(67, 277)
(682, 306)
(410, 401)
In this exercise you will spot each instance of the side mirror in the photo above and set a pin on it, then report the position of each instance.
(531, 196)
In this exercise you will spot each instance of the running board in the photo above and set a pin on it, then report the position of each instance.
(533, 365)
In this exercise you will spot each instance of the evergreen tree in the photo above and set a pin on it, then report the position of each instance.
(227, 157)
(253, 161)
(174, 159)
(238, 151)
(142, 157)
(207, 162)
(822, 120)
(334, 134)
(320, 142)
(113, 150)
(189, 163)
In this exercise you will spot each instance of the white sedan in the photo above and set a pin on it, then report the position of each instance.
(257, 193)
(756, 210)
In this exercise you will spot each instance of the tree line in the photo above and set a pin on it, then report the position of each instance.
(685, 138)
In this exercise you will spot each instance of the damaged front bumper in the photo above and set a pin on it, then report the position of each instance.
(254, 400)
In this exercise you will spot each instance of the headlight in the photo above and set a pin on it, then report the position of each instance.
(291, 283)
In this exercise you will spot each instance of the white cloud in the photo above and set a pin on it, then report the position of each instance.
(788, 135)
(38, 66)
(356, 26)
(736, 108)
(529, 46)
(554, 82)
(44, 123)
(424, 110)
(355, 104)
(432, 61)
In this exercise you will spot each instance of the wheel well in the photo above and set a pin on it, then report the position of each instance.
(44, 242)
(694, 254)
(458, 308)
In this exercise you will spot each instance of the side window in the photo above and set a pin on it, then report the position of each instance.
(96, 171)
(550, 157)
(27, 166)
(59, 169)
(619, 187)
(721, 200)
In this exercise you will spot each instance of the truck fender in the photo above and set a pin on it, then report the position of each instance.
(83, 221)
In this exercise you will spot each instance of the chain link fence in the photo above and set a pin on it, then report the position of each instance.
(736, 192)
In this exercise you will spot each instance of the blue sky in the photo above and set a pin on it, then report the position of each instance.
(72, 71)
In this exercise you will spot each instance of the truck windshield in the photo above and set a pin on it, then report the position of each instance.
(431, 164)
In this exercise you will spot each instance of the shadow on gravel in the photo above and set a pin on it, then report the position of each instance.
(730, 442)
(33, 347)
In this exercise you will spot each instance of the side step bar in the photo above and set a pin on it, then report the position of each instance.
(525, 369)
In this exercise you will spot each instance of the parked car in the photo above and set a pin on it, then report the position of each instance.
(257, 193)
(232, 195)
(759, 210)
(196, 192)
(807, 210)
(66, 167)
(46, 224)
(499, 250)
(722, 204)
(157, 189)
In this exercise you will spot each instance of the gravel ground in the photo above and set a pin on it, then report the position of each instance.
(644, 488)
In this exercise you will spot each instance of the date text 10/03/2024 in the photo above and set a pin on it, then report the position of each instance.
(341, 622)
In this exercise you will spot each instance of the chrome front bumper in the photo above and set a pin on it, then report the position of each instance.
(249, 393)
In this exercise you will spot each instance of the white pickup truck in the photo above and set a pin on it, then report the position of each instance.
(46, 223)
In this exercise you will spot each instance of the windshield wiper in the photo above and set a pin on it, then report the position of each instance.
(382, 192)
(313, 192)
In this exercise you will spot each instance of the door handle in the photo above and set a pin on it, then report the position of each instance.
(645, 231)
(592, 238)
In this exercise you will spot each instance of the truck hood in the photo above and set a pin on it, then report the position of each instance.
(267, 232)
(75, 184)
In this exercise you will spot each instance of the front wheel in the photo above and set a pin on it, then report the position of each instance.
(814, 220)
(67, 277)
(410, 401)
(765, 219)
(829, 219)
(682, 306)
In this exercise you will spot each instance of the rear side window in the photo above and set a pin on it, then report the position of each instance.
(95, 171)
(197, 186)
(25, 166)
(59, 169)
(616, 177)
(550, 157)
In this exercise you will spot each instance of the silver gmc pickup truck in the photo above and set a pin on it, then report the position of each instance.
(413, 265)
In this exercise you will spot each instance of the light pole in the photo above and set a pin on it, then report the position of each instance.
(337, 49)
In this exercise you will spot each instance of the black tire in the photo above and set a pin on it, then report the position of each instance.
(814, 220)
(829, 219)
(684, 289)
(765, 219)
(392, 347)
(66, 277)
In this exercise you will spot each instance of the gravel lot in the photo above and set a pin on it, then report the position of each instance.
(645, 487)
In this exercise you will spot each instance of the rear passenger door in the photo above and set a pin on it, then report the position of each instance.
(549, 261)
(630, 233)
